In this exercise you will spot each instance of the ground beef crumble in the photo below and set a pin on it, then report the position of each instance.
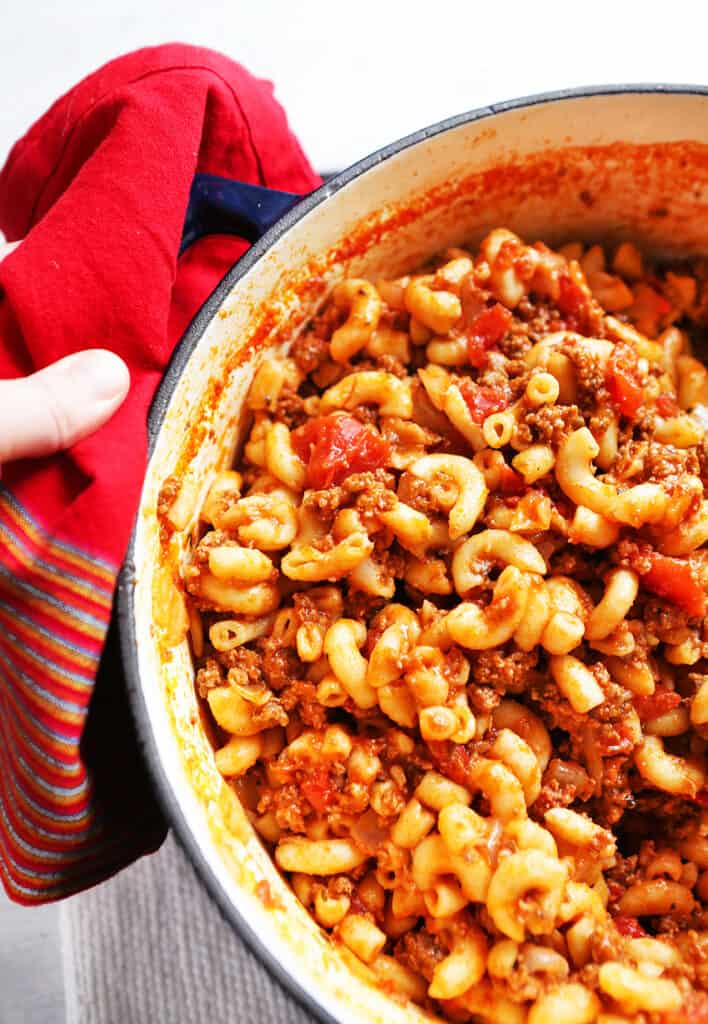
(421, 952)
(209, 676)
(280, 665)
(245, 662)
(309, 351)
(301, 696)
(289, 407)
(552, 423)
(505, 671)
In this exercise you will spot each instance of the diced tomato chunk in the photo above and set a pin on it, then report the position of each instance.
(630, 927)
(318, 788)
(670, 578)
(658, 703)
(622, 381)
(666, 405)
(674, 580)
(335, 446)
(483, 401)
(511, 483)
(572, 301)
(486, 330)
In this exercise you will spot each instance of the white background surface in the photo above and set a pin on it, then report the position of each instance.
(352, 77)
(356, 75)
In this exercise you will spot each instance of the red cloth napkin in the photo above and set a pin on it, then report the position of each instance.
(98, 189)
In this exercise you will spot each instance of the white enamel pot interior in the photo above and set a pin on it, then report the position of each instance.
(600, 164)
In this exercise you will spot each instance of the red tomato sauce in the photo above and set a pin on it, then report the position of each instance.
(697, 1013)
(666, 405)
(630, 927)
(318, 788)
(451, 759)
(656, 703)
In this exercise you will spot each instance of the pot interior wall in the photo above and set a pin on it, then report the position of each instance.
(602, 167)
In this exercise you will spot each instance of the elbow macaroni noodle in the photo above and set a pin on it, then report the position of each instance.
(449, 618)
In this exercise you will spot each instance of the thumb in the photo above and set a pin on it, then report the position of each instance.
(61, 404)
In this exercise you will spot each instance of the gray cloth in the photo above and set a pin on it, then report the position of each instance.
(150, 947)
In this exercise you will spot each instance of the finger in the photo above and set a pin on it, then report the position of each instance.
(6, 248)
(58, 406)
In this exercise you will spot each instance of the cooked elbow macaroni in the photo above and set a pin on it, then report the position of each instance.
(449, 615)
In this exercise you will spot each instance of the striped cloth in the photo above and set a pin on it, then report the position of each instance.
(98, 190)
(55, 609)
(55, 603)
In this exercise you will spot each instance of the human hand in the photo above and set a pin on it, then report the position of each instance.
(61, 404)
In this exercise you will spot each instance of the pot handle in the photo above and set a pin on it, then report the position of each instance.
(219, 206)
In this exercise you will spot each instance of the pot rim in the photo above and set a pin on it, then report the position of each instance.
(125, 593)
